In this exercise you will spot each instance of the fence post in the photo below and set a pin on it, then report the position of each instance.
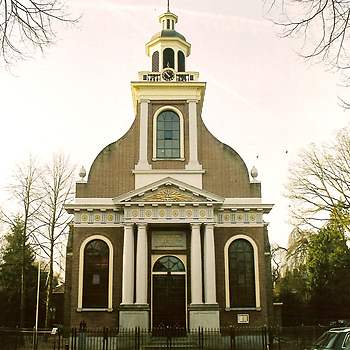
(199, 339)
(137, 338)
(232, 338)
(74, 339)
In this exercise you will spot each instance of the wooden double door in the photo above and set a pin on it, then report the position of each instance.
(169, 295)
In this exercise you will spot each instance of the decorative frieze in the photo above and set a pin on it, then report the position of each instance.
(239, 217)
(168, 213)
(98, 217)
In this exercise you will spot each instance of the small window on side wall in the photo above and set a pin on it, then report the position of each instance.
(96, 274)
(168, 135)
(241, 274)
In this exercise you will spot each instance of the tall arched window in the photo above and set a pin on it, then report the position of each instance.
(96, 275)
(155, 61)
(241, 274)
(168, 58)
(181, 61)
(168, 135)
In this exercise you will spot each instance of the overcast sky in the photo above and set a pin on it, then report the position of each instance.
(261, 98)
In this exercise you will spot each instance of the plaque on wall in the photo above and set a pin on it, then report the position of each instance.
(168, 240)
(243, 318)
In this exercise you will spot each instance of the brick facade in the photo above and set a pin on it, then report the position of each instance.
(189, 196)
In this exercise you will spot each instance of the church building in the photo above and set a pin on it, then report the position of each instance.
(168, 227)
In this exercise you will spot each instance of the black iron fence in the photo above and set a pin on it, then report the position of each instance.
(228, 338)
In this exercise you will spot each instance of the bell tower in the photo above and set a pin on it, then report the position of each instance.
(168, 101)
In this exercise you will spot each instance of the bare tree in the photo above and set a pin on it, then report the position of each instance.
(57, 185)
(319, 181)
(321, 28)
(278, 260)
(26, 191)
(28, 24)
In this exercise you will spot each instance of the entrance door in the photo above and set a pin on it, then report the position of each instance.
(169, 298)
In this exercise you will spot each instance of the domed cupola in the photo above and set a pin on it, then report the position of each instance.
(168, 48)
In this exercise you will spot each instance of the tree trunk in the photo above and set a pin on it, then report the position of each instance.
(48, 313)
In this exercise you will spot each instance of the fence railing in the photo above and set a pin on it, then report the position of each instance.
(227, 338)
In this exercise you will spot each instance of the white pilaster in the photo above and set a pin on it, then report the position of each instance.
(143, 139)
(209, 265)
(141, 265)
(196, 265)
(128, 265)
(193, 163)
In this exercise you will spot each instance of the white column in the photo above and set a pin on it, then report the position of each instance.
(141, 265)
(143, 138)
(128, 265)
(209, 265)
(193, 163)
(196, 265)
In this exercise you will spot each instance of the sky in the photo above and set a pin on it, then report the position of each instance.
(262, 99)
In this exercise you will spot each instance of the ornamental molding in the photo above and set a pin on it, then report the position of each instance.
(169, 194)
(169, 214)
(168, 190)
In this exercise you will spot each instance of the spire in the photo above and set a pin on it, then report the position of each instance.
(168, 5)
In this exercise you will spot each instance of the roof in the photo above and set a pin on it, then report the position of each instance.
(166, 33)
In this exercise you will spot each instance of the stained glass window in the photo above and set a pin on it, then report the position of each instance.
(242, 274)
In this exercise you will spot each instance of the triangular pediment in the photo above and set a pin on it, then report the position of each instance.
(168, 190)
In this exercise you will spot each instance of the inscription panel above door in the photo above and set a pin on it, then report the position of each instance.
(168, 240)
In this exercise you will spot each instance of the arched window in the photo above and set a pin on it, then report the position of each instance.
(168, 58)
(241, 274)
(169, 264)
(168, 135)
(96, 275)
(155, 61)
(181, 61)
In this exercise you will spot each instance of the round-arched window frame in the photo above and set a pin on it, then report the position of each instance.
(169, 263)
(168, 58)
(181, 61)
(95, 290)
(168, 135)
(242, 287)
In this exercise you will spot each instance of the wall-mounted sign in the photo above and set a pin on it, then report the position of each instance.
(243, 318)
(168, 240)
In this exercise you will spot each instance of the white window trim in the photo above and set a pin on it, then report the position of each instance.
(178, 112)
(81, 273)
(256, 270)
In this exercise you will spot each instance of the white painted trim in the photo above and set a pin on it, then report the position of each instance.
(141, 264)
(94, 310)
(143, 122)
(154, 259)
(256, 270)
(81, 271)
(193, 139)
(182, 136)
(196, 265)
(168, 171)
